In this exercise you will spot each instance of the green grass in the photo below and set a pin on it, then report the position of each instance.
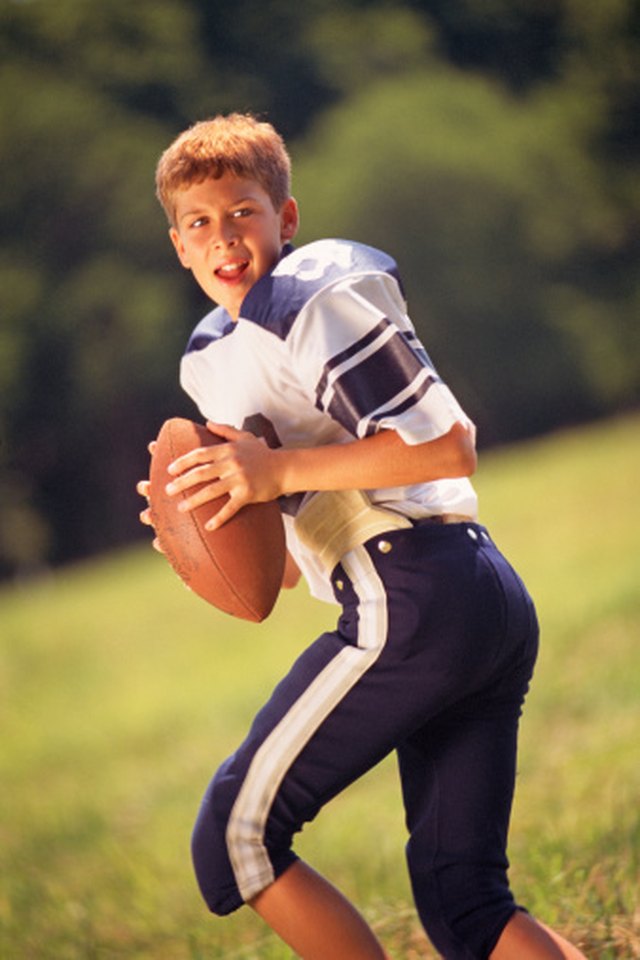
(120, 693)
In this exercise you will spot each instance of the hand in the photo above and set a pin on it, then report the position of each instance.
(244, 467)
(142, 487)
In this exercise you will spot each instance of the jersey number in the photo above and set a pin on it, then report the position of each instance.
(261, 426)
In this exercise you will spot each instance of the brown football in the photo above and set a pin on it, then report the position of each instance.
(237, 568)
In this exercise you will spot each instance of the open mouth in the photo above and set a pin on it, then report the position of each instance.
(232, 271)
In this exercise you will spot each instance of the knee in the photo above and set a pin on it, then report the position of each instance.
(212, 865)
(464, 908)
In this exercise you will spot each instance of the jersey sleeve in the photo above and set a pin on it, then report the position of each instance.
(355, 349)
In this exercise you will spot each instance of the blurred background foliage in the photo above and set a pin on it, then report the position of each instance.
(492, 146)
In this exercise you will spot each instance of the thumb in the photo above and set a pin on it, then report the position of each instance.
(224, 430)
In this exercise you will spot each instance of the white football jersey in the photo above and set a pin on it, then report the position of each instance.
(324, 352)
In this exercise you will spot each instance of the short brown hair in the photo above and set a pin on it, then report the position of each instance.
(237, 143)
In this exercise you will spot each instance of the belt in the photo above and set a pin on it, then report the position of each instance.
(333, 522)
(440, 518)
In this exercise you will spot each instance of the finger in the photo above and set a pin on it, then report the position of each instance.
(196, 457)
(156, 546)
(145, 517)
(225, 430)
(207, 473)
(224, 514)
(207, 493)
(151, 447)
(142, 488)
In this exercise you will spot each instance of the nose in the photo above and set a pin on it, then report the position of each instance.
(224, 234)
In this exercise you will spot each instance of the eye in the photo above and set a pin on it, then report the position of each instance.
(198, 222)
(241, 212)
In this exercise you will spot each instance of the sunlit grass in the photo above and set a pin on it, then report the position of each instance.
(120, 693)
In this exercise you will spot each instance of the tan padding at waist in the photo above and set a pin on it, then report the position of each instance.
(333, 522)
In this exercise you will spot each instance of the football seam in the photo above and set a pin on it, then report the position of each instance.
(214, 557)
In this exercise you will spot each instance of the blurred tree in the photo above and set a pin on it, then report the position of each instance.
(354, 47)
(91, 324)
(490, 205)
(492, 145)
(263, 66)
(519, 42)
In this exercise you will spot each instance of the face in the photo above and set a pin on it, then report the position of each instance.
(229, 235)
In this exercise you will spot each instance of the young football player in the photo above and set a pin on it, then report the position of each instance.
(310, 369)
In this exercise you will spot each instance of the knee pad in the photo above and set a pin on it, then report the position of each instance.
(210, 846)
(211, 861)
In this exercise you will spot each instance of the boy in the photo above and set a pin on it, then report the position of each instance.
(310, 370)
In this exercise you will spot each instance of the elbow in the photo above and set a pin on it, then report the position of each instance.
(464, 451)
(470, 463)
(469, 459)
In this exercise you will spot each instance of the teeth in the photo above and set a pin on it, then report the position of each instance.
(230, 269)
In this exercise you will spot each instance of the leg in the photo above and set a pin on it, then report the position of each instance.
(309, 742)
(423, 628)
(458, 770)
(314, 919)
(455, 854)
(344, 705)
(524, 938)
(457, 776)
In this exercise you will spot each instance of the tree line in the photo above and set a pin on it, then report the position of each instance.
(493, 149)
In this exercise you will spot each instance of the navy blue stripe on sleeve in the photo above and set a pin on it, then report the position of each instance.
(345, 355)
(415, 344)
(365, 387)
(406, 404)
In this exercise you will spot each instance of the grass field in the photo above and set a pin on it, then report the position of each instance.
(120, 693)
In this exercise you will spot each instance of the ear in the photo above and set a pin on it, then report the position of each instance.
(179, 248)
(289, 219)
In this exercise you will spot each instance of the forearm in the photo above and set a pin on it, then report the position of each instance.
(249, 471)
(383, 460)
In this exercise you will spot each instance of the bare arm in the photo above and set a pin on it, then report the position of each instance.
(249, 471)
(383, 460)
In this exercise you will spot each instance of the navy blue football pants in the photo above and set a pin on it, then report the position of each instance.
(431, 657)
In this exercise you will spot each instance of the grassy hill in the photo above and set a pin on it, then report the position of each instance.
(120, 693)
